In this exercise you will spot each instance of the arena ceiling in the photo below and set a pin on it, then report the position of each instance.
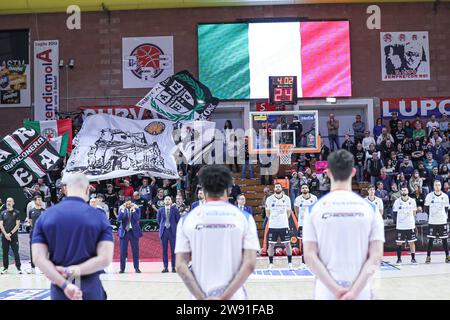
(42, 6)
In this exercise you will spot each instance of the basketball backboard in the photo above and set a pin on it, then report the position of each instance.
(270, 129)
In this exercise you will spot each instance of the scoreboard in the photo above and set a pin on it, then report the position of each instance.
(283, 89)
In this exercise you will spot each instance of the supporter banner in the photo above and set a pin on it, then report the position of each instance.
(58, 132)
(412, 107)
(109, 147)
(146, 61)
(404, 56)
(136, 113)
(14, 69)
(26, 156)
(180, 97)
(46, 80)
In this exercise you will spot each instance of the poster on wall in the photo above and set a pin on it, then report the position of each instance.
(146, 61)
(405, 56)
(408, 108)
(14, 69)
(46, 80)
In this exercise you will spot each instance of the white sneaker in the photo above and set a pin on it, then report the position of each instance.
(291, 267)
(302, 267)
(270, 266)
(3, 271)
(31, 271)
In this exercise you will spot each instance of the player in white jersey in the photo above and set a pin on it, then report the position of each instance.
(278, 210)
(302, 205)
(405, 209)
(222, 240)
(343, 236)
(377, 202)
(436, 206)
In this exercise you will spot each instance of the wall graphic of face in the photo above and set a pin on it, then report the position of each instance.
(413, 55)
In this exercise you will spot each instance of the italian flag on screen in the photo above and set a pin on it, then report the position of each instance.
(236, 60)
(58, 132)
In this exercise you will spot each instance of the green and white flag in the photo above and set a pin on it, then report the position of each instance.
(58, 132)
(180, 97)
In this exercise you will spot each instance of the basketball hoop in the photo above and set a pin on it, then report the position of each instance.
(285, 153)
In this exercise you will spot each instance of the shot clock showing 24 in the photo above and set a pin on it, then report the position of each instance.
(283, 89)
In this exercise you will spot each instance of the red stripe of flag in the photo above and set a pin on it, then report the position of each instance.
(65, 125)
(325, 50)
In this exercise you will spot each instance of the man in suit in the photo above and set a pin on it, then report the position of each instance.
(201, 200)
(129, 231)
(168, 217)
(234, 192)
(241, 204)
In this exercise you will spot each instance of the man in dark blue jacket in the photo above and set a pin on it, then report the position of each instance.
(129, 231)
(200, 201)
(168, 217)
(241, 204)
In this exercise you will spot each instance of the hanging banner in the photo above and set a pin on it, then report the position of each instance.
(404, 56)
(26, 156)
(58, 132)
(14, 69)
(46, 80)
(125, 111)
(110, 147)
(180, 97)
(412, 107)
(146, 61)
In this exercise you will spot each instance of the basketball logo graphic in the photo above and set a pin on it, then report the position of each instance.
(155, 128)
(147, 61)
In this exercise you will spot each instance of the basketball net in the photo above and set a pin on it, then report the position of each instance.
(285, 153)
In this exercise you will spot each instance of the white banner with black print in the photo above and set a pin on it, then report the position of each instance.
(405, 56)
(110, 147)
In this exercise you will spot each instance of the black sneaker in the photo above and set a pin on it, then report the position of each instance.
(399, 261)
(413, 261)
(428, 260)
(122, 271)
(138, 271)
(165, 270)
(173, 270)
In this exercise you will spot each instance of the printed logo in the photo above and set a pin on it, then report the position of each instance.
(155, 128)
(147, 61)
(49, 133)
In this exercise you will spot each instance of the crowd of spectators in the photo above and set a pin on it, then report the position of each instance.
(411, 152)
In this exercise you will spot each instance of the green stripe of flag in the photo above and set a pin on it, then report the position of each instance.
(32, 125)
(224, 60)
(64, 144)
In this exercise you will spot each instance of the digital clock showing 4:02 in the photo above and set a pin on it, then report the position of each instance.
(283, 89)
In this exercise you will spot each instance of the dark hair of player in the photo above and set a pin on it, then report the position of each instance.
(215, 179)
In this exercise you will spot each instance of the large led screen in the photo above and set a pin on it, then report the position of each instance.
(235, 60)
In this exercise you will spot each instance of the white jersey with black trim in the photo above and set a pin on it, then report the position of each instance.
(216, 233)
(437, 204)
(279, 208)
(304, 206)
(378, 203)
(343, 224)
(405, 213)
